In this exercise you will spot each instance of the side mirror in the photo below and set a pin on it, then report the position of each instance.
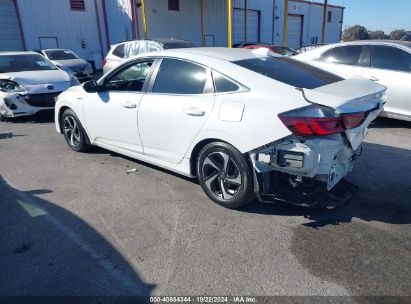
(91, 86)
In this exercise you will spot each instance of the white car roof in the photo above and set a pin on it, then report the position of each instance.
(209, 56)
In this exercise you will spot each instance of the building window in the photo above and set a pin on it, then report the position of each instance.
(173, 5)
(329, 16)
(77, 5)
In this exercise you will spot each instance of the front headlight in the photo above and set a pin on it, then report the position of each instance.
(74, 81)
(10, 86)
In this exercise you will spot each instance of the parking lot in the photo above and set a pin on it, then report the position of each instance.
(78, 224)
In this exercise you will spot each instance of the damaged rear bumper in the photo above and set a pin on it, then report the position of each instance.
(307, 172)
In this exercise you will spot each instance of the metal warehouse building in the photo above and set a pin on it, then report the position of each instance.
(89, 27)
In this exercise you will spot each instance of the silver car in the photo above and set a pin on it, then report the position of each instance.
(70, 62)
(387, 62)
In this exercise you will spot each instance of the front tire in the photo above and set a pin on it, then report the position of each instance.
(225, 175)
(2, 118)
(74, 133)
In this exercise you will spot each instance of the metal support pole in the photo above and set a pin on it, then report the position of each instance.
(202, 22)
(143, 12)
(324, 21)
(245, 20)
(285, 22)
(230, 23)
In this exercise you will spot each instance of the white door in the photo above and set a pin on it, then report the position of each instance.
(10, 38)
(294, 28)
(171, 115)
(391, 67)
(111, 115)
(239, 26)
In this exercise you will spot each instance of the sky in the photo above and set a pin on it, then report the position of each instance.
(385, 15)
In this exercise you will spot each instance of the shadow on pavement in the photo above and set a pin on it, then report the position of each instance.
(48, 251)
(383, 122)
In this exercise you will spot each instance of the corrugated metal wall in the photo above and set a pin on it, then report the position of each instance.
(183, 24)
(76, 30)
(53, 18)
(10, 37)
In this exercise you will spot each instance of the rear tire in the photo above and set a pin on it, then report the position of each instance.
(225, 175)
(74, 133)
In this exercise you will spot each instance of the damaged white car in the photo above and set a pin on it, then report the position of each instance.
(29, 83)
(245, 123)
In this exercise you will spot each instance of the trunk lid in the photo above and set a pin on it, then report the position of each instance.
(354, 95)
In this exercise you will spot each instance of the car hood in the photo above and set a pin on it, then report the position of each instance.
(71, 63)
(37, 77)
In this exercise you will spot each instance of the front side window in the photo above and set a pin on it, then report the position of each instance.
(349, 55)
(390, 58)
(130, 78)
(289, 71)
(222, 84)
(21, 63)
(180, 77)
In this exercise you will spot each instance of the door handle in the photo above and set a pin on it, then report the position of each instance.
(194, 112)
(373, 78)
(129, 105)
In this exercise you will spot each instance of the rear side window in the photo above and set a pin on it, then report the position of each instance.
(119, 51)
(222, 84)
(180, 77)
(349, 55)
(290, 71)
(390, 58)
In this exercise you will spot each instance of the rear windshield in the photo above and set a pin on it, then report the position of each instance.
(177, 45)
(289, 71)
(60, 55)
(21, 63)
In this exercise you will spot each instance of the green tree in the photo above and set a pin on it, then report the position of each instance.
(376, 35)
(356, 32)
(397, 34)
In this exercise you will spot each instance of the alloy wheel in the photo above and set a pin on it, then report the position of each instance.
(221, 175)
(72, 130)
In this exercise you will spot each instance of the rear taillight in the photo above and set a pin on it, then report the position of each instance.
(310, 126)
(353, 120)
(104, 61)
(319, 121)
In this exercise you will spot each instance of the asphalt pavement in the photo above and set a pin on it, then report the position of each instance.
(78, 224)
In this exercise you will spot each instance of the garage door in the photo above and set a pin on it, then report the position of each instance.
(294, 28)
(252, 26)
(10, 38)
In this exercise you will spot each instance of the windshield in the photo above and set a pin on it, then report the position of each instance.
(60, 55)
(289, 71)
(24, 62)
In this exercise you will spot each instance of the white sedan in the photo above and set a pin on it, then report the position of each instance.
(29, 83)
(245, 123)
(385, 61)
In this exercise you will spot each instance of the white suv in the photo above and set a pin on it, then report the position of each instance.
(125, 50)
